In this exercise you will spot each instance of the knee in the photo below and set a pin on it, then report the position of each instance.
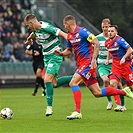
(38, 75)
(54, 85)
(72, 84)
(97, 93)
(113, 85)
(106, 82)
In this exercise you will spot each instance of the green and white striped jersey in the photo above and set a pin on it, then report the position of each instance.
(48, 37)
(103, 50)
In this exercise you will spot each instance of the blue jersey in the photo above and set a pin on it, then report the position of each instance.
(80, 41)
(118, 48)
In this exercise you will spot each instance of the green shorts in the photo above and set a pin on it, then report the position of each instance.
(52, 64)
(104, 69)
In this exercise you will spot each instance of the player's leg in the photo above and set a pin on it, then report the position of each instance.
(105, 84)
(83, 74)
(108, 91)
(62, 81)
(119, 100)
(38, 81)
(131, 88)
(41, 66)
(52, 67)
(49, 93)
(35, 67)
(104, 71)
(43, 86)
(114, 81)
(76, 96)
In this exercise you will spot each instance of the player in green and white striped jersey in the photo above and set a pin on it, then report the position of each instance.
(48, 37)
(104, 70)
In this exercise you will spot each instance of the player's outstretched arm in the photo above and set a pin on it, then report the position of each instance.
(29, 39)
(62, 34)
(96, 44)
(128, 54)
(66, 52)
(107, 58)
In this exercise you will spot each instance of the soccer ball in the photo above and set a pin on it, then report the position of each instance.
(6, 113)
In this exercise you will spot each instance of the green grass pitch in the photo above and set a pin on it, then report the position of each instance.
(29, 113)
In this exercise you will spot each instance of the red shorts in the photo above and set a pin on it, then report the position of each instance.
(124, 71)
(88, 75)
(43, 72)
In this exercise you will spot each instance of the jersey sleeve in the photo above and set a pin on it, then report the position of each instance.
(106, 43)
(40, 49)
(68, 44)
(49, 28)
(29, 47)
(88, 35)
(124, 43)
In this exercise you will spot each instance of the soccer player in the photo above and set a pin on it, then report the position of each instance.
(86, 48)
(48, 37)
(103, 69)
(35, 50)
(121, 52)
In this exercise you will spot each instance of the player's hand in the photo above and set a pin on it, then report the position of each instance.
(106, 62)
(122, 61)
(58, 52)
(93, 64)
(36, 53)
(29, 41)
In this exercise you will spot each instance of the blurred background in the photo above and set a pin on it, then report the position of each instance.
(16, 67)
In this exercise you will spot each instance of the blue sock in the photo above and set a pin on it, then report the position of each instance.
(103, 92)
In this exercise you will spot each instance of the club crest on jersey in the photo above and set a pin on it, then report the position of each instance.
(115, 44)
(77, 35)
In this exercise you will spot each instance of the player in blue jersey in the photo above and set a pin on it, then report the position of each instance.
(104, 70)
(86, 47)
(121, 53)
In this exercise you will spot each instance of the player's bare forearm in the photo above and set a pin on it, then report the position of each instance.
(66, 52)
(29, 38)
(108, 56)
(96, 48)
(95, 53)
(28, 52)
(128, 53)
(63, 34)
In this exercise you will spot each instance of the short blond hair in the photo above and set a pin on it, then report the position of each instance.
(29, 17)
(106, 20)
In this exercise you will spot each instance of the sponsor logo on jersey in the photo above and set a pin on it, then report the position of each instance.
(75, 40)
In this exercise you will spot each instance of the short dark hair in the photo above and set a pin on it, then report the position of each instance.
(115, 26)
(68, 17)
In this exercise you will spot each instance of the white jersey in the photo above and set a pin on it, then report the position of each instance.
(103, 50)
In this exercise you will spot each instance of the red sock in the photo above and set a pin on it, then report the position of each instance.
(117, 99)
(112, 91)
(77, 99)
